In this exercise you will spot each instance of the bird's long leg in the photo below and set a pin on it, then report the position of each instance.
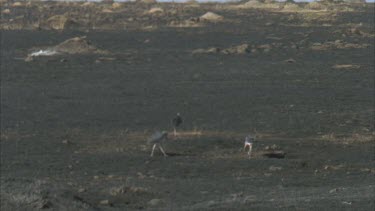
(250, 148)
(174, 132)
(162, 150)
(153, 148)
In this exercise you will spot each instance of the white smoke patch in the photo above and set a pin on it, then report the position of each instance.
(43, 53)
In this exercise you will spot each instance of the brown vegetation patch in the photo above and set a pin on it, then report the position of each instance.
(193, 22)
(356, 31)
(354, 138)
(319, 16)
(239, 49)
(115, 191)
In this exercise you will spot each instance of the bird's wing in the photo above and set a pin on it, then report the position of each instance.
(156, 136)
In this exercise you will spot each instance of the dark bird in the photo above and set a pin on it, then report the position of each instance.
(177, 121)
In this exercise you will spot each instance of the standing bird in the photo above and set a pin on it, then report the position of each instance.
(249, 140)
(156, 139)
(177, 121)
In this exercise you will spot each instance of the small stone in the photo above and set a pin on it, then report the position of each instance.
(274, 147)
(269, 24)
(155, 202)
(44, 204)
(17, 4)
(81, 190)
(117, 191)
(105, 202)
(140, 175)
(96, 177)
(290, 61)
(334, 190)
(6, 11)
(65, 141)
(275, 168)
(338, 41)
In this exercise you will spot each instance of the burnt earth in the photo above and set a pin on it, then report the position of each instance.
(74, 126)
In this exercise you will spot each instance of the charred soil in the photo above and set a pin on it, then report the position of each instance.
(74, 126)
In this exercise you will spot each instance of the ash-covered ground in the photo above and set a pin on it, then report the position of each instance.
(83, 85)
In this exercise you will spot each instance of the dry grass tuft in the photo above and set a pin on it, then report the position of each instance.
(254, 4)
(316, 6)
(338, 44)
(288, 7)
(346, 66)
(354, 138)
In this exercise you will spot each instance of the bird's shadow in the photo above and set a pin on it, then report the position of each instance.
(176, 154)
(274, 155)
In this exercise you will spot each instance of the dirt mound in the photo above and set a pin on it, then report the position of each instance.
(87, 4)
(258, 5)
(17, 4)
(316, 6)
(210, 16)
(155, 10)
(77, 45)
(61, 22)
(291, 7)
(6, 11)
(116, 5)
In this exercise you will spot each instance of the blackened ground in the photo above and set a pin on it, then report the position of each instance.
(64, 143)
